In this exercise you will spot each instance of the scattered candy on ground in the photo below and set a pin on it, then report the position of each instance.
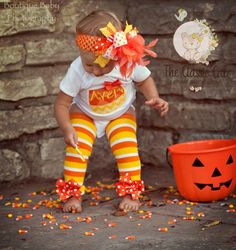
(95, 199)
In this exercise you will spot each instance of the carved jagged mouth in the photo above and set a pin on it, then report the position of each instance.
(201, 186)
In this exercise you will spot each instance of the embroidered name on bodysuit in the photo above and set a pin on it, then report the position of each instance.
(104, 96)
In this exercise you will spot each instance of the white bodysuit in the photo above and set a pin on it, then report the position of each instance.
(102, 98)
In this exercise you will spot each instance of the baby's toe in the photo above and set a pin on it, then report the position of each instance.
(127, 207)
(78, 209)
(69, 209)
(65, 209)
(136, 207)
(121, 206)
(132, 207)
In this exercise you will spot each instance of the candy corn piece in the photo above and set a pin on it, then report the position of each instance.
(22, 231)
(112, 237)
(64, 226)
(112, 224)
(19, 217)
(130, 237)
(163, 229)
(28, 216)
(89, 233)
(80, 153)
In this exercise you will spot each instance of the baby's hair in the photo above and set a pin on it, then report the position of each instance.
(92, 23)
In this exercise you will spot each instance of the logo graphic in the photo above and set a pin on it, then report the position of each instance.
(182, 14)
(194, 41)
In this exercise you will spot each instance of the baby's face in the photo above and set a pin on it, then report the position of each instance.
(88, 59)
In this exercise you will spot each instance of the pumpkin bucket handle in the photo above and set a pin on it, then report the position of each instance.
(168, 158)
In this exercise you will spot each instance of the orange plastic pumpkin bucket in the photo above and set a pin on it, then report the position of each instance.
(204, 170)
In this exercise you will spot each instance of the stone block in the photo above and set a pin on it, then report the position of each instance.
(229, 48)
(230, 24)
(12, 167)
(16, 18)
(161, 19)
(75, 10)
(187, 136)
(48, 157)
(203, 117)
(152, 146)
(14, 123)
(153, 18)
(32, 151)
(11, 58)
(55, 84)
(52, 169)
(17, 89)
(52, 149)
(222, 16)
(50, 50)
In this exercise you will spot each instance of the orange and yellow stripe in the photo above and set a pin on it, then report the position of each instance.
(74, 166)
(121, 133)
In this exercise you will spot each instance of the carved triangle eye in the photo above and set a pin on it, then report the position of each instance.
(230, 160)
(197, 163)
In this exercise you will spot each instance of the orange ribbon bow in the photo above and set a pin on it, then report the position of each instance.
(110, 85)
(126, 186)
(67, 189)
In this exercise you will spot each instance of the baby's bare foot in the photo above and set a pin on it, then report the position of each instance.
(128, 204)
(72, 204)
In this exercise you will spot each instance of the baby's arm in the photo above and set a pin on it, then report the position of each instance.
(61, 110)
(148, 88)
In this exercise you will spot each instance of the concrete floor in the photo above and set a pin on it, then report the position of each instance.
(165, 209)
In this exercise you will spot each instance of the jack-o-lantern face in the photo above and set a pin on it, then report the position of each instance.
(205, 170)
(216, 173)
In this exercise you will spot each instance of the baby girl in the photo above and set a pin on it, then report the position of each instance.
(95, 99)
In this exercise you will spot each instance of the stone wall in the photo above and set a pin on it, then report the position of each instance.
(37, 46)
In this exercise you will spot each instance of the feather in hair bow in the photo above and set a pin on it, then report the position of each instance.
(126, 47)
(66, 189)
(126, 186)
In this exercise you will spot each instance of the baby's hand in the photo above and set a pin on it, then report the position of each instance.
(70, 137)
(160, 104)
